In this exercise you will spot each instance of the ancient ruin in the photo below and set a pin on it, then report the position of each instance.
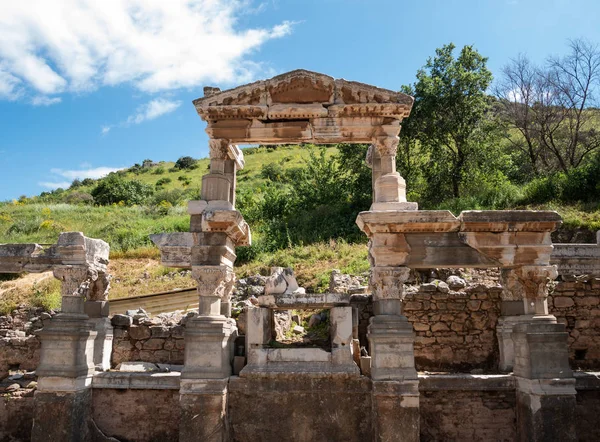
(529, 391)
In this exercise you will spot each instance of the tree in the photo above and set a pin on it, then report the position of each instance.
(553, 107)
(185, 163)
(450, 109)
(114, 189)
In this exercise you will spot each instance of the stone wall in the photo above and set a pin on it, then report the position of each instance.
(137, 415)
(140, 338)
(576, 303)
(588, 409)
(455, 330)
(462, 415)
(16, 417)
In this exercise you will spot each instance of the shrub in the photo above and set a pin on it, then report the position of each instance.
(75, 184)
(161, 182)
(545, 189)
(87, 182)
(272, 171)
(174, 197)
(185, 163)
(185, 180)
(114, 189)
(158, 171)
(79, 198)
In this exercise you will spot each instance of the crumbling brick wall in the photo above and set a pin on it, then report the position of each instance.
(576, 303)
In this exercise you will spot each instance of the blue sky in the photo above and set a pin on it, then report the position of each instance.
(88, 86)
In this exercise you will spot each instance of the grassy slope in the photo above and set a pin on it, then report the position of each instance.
(137, 270)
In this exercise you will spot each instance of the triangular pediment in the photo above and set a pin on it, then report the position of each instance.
(301, 87)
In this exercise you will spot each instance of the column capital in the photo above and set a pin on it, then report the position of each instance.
(529, 284)
(386, 145)
(388, 282)
(219, 148)
(215, 281)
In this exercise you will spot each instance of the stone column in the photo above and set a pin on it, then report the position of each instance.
(389, 187)
(391, 340)
(62, 404)
(97, 309)
(216, 229)
(545, 384)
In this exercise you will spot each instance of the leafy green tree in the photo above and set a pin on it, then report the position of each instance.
(449, 113)
(185, 163)
(114, 189)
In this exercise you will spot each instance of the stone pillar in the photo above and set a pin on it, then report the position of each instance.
(62, 404)
(97, 309)
(389, 187)
(391, 340)
(545, 384)
(208, 355)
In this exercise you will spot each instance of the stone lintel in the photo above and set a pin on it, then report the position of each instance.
(407, 221)
(509, 221)
(304, 301)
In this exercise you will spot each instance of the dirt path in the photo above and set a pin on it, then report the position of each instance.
(25, 281)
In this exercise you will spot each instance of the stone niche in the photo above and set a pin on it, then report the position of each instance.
(263, 357)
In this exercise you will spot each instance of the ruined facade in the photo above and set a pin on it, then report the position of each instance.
(311, 394)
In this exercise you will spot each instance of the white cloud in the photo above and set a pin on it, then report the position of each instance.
(94, 173)
(55, 185)
(152, 110)
(42, 100)
(62, 46)
(148, 111)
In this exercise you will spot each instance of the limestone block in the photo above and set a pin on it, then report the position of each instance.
(298, 355)
(509, 221)
(208, 348)
(196, 207)
(341, 335)
(304, 300)
(258, 327)
(390, 188)
(67, 347)
(215, 187)
(391, 341)
(281, 282)
(541, 350)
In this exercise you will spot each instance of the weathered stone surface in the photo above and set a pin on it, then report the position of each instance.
(155, 413)
(333, 408)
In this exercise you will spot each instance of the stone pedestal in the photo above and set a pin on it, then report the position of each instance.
(203, 410)
(545, 384)
(98, 313)
(395, 411)
(391, 340)
(208, 347)
(62, 403)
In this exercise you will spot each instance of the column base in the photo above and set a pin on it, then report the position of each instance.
(67, 347)
(62, 416)
(391, 340)
(541, 349)
(209, 347)
(546, 410)
(203, 410)
(395, 411)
